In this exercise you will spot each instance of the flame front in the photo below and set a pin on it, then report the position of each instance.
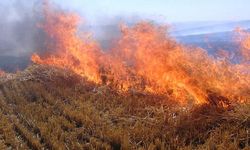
(146, 59)
(71, 51)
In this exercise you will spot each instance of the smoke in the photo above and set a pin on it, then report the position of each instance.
(20, 35)
(107, 29)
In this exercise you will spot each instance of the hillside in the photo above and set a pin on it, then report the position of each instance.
(51, 108)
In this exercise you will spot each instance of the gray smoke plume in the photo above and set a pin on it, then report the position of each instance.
(20, 35)
(19, 32)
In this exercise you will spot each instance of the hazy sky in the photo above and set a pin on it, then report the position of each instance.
(170, 10)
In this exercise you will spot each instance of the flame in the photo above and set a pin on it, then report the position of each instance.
(72, 51)
(245, 45)
(2, 72)
(146, 59)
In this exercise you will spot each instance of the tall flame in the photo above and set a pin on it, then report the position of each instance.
(71, 51)
(146, 59)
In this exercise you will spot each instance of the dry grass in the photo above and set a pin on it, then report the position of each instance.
(51, 108)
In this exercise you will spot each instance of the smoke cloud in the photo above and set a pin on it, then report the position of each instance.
(20, 35)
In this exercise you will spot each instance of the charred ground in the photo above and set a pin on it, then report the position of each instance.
(51, 108)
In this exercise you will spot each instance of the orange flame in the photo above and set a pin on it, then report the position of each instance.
(2, 72)
(72, 51)
(245, 45)
(146, 59)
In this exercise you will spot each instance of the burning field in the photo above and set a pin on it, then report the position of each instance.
(147, 91)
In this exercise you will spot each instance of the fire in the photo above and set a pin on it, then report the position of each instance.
(2, 72)
(146, 59)
(71, 51)
(245, 45)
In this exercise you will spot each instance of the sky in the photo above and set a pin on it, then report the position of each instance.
(167, 10)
